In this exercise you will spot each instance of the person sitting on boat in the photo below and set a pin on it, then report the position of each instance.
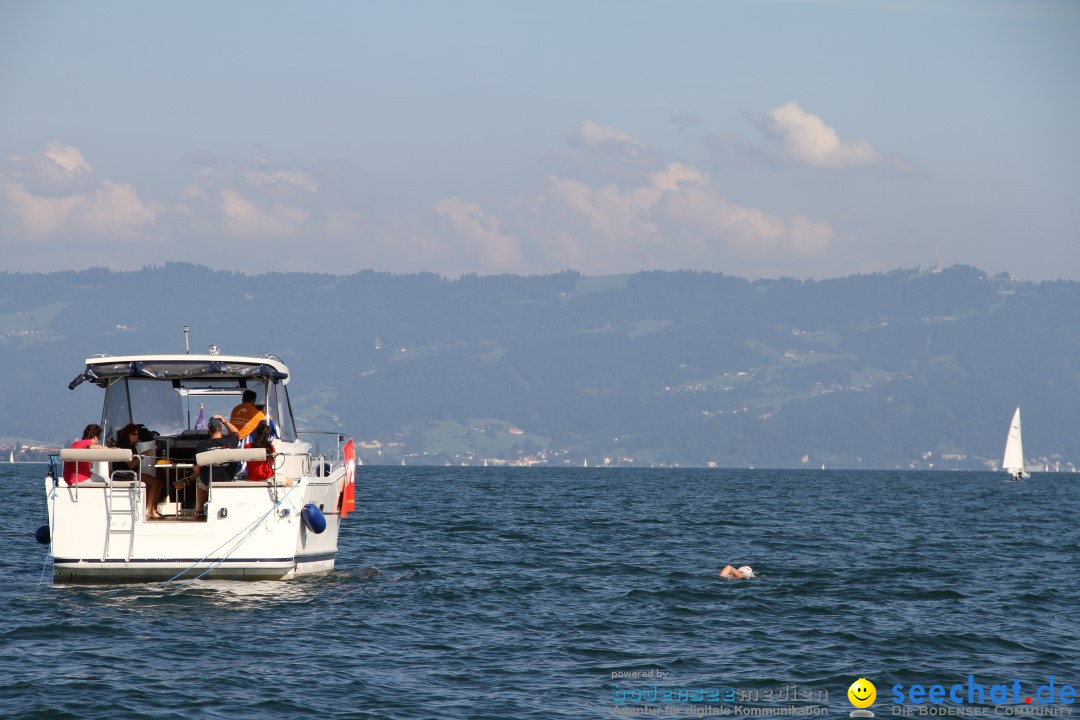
(739, 573)
(128, 439)
(261, 439)
(223, 473)
(246, 416)
(77, 472)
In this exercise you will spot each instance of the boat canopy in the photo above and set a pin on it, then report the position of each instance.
(101, 370)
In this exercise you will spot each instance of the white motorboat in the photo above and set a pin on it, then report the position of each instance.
(275, 529)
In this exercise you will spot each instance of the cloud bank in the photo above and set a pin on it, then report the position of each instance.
(645, 213)
(55, 194)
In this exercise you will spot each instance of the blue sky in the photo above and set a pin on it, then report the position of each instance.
(760, 139)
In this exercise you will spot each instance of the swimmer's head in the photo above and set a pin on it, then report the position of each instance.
(747, 571)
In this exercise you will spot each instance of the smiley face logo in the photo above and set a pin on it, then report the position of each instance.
(862, 693)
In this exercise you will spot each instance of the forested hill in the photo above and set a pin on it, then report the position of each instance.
(905, 369)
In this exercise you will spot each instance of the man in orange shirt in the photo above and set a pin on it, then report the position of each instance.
(246, 416)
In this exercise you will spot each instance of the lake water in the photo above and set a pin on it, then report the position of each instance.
(514, 593)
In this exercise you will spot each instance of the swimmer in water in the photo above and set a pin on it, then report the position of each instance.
(739, 573)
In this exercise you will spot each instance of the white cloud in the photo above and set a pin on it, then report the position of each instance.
(609, 211)
(592, 133)
(675, 219)
(656, 215)
(807, 140)
(67, 157)
(114, 210)
(55, 193)
(748, 232)
(595, 149)
(482, 241)
(295, 178)
(675, 173)
(35, 215)
(257, 200)
(245, 219)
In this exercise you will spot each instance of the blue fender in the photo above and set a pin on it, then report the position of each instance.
(313, 518)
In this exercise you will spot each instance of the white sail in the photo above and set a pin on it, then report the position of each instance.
(1013, 462)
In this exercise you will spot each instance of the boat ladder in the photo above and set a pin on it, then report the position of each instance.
(121, 506)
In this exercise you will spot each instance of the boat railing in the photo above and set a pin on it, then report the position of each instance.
(318, 458)
(313, 464)
(54, 474)
(97, 458)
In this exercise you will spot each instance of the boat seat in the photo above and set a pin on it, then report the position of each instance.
(226, 455)
(100, 457)
(95, 455)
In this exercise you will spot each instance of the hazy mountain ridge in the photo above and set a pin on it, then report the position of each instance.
(658, 367)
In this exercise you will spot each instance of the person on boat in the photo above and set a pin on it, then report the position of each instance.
(77, 472)
(222, 473)
(128, 439)
(261, 439)
(745, 572)
(246, 416)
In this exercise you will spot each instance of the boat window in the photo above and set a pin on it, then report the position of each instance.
(277, 404)
(171, 406)
(117, 409)
(214, 397)
(152, 403)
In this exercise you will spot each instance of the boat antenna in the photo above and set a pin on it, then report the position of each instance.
(187, 345)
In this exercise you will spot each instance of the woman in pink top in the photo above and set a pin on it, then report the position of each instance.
(77, 472)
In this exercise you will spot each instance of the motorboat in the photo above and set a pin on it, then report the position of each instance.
(100, 526)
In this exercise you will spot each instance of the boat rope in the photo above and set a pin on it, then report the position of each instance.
(48, 551)
(217, 563)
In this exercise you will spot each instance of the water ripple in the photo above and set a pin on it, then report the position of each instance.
(519, 593)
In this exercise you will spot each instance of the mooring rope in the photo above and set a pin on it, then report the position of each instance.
(51, 520)
(249, 530)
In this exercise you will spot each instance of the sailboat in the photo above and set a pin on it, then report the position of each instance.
(11, 456)
(1013, 462)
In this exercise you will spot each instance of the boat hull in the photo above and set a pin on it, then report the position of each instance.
(97, 571)
(253, 531)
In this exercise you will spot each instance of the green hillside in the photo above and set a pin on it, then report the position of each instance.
(904, 369)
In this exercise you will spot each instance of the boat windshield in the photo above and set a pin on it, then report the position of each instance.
(172, 407)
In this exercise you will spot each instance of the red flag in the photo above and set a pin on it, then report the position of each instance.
(348, 493)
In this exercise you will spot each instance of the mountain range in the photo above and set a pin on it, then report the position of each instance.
(906, 369)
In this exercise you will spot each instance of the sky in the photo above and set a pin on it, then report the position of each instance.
(797, 138)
